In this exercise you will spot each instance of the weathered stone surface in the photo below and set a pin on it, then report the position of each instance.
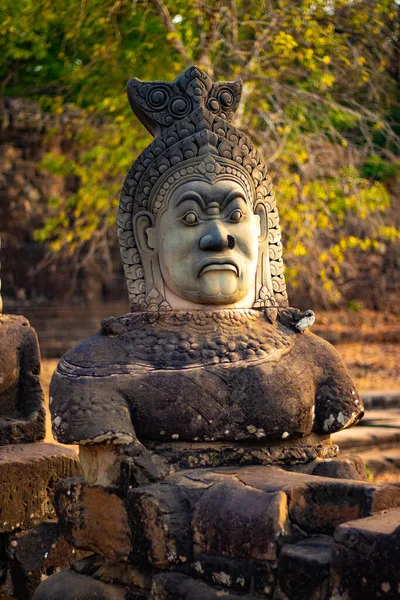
(159, 520)
(304, 570)
(175, 586)
(35, 554)
(218, 570)
(366, 558)
(6, 584)
(110, 571)
(22, 416)
(238, 575)
(320, 508)
(234, 520)
(197, 149)
(68, 585)
(93, 518)
(218, 454)
(28, 474)
(347, 467)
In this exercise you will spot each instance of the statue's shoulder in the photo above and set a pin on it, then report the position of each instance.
(296, 324)
(320, 350)
(106, 348)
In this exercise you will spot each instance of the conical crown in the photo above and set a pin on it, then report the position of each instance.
(158, 104)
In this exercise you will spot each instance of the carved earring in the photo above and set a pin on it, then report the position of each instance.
(264, 290)
(144, 231)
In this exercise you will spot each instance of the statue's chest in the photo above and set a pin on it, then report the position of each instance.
(206, 340)
(247, 400)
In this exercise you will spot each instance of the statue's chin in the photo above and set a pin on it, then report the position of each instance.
(219, 287)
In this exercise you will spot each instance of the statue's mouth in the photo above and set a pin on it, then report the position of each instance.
(218, 264)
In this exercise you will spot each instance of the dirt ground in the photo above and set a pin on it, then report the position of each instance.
(373, 366)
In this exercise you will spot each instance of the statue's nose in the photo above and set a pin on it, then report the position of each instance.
(216, 239)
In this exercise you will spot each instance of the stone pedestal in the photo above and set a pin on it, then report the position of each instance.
(206, 533)
(31, 546)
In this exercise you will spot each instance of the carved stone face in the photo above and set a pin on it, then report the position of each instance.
(207, 242)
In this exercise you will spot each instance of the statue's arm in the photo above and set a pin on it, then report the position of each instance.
(89, 409)
(337, 403)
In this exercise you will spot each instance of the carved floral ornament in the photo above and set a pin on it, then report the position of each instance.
(195, 146)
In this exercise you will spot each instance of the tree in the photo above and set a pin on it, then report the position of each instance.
(320, 99)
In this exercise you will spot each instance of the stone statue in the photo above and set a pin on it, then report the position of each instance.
(203, 415)
(211, 355)
(22, 415)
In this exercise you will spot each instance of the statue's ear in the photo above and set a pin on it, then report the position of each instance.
(143, 228)
(145, 238)
(261, 212)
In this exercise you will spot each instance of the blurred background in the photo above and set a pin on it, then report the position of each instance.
(320, 100)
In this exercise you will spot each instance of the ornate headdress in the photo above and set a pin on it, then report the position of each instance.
(194, 140)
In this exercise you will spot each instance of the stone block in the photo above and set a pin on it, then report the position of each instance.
(366, 558)
(175, 586)
(159, 519)
(93, 518)
(28, 473)
(234, 520)
(34, 555)
(346, 467)
(304, 570)
(318, 504)
(150, 527)
(71, 586)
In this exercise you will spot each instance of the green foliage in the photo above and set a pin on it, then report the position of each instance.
(379, 169)
(355, 305)
(319, 99)
(369, 473)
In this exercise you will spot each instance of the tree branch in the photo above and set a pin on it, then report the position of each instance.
(168, 23)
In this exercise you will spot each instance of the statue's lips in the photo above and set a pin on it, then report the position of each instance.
(218, 264)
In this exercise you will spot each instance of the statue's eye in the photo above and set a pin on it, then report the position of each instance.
(190, 218)
(236, 216)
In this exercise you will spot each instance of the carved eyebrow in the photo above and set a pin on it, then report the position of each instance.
(192, 195)
(232, 195)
